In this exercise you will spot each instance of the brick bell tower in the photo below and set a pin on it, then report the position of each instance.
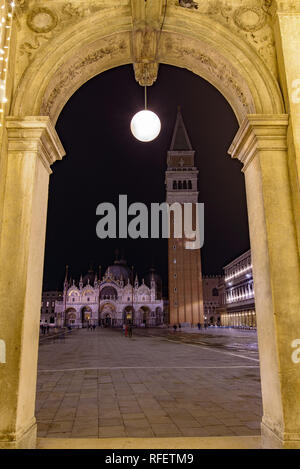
(185, 274)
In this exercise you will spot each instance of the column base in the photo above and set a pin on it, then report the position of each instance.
(22, 440)
(271, 440)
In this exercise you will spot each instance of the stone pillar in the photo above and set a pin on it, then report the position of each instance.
(33, 146)
(287, 40)
(261, 144)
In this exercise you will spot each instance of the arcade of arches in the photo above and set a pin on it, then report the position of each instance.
(249, 51)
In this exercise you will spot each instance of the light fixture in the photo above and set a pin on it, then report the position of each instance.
(145, 125)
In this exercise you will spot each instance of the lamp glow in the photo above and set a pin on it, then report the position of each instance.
(145, 126)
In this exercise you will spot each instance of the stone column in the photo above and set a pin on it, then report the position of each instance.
(33, 146)
(261, 144)
(286, 17)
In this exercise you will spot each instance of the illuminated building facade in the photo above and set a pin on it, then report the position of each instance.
(111, 300)
(49, 299)
(212, 298)
(239, 294)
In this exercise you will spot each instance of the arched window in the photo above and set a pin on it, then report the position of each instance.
(190, 184)
(215, 292)
(108, 292)
(184, 185)
(175, 185)
(180, 185)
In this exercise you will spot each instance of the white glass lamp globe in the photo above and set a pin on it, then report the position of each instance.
(145, 125)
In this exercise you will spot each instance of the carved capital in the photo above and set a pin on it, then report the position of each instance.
(34, 135)
(259, 133)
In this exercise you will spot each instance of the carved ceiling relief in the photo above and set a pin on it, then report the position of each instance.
(252, 21)
(205, 59)
(72, 73)
(41, 21)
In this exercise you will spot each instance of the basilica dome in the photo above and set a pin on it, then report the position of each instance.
(119, 270)
(89, 278)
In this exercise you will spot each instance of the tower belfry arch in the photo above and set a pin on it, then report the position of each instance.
(56, 48)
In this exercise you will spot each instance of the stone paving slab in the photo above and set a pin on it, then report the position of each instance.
(104, 385)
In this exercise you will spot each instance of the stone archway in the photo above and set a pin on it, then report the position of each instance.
(70, 316)
(107, 314)
(144, 313)
(86, 316)
(265, 143)
(129, 315)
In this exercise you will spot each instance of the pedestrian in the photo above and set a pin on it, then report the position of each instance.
(199, 326)
(48, 327)
(179, 325)
(126, 330)
(94, 327)
(175, 328)
(130, 330)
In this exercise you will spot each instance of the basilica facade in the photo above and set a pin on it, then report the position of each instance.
(111, 301)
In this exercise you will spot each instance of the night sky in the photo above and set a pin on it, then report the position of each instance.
(104, 160)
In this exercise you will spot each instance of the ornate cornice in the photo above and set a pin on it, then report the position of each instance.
(259, 133)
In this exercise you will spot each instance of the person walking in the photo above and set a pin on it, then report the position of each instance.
(175, 328)
(199, 326)
(130, 330)
(126, 330)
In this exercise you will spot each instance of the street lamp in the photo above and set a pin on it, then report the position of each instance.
(145, 125)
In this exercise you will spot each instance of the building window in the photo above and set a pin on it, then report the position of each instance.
(88, 299)
(174, 261)
(215, 292)
(175, 289)
(175, 185)
(175, 275)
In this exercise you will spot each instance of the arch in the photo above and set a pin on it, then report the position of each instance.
(86, 314)
(203, 46)
(144, 313)
(71, 316)
(129, 314)
(108, 292)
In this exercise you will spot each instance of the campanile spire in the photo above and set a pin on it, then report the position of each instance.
(185, 273)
